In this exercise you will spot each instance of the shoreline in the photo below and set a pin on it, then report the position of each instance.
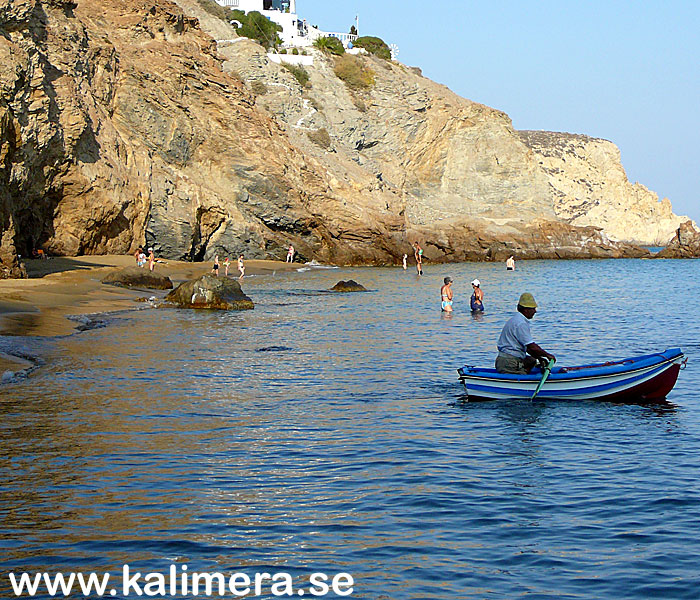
(60, 290)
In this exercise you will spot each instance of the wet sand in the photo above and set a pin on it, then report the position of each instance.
(61, 287)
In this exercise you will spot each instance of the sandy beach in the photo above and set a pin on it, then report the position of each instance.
(61, 287)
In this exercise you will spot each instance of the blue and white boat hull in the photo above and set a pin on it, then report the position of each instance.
(641, 378)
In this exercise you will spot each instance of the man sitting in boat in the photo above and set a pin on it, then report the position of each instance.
(515, 342)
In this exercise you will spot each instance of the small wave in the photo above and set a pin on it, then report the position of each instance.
(14, 375)
(314, 264)
(88, 322)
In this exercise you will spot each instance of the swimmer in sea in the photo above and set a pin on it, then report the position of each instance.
(446, 295)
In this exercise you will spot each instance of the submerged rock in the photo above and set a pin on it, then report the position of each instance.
(210, 292)
(139, 278)
(348, 286)
(685, 244)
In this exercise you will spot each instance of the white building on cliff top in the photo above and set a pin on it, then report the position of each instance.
(295, 31)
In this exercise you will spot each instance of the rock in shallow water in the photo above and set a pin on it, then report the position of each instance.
(685, 244)
(139, 278)
(348, 286)
(210, 292)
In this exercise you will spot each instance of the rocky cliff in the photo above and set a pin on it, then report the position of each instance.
(119, 128)
(123, 123)
(589, 186)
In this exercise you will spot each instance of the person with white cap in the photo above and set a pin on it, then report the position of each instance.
(517, 351)
(446, 295)
(151, 259)
(477, 299)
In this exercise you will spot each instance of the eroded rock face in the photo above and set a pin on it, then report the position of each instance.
(120, 128)
(139, 278)
(348, 286)
(210, 292)
(121, 125)
(590, 187)
(454, 160)
(685, 244)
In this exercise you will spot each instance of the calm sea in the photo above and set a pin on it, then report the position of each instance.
(328, 433)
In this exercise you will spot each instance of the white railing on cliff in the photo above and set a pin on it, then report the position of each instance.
(343, 37)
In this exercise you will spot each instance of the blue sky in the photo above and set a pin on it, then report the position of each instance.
(628, 72)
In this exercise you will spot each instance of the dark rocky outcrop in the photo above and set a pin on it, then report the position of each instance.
(137, 277)
(686, 243)
(210, 292)
(348, 286)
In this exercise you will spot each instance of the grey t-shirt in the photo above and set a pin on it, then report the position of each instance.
(515, 336)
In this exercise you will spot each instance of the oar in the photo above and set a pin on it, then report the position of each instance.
(546, 373)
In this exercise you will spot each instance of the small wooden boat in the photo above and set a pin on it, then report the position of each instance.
(638, 379)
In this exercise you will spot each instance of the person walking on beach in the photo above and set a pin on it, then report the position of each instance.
(151, 259)
(241, 266)
(446, 295)
(227, 264)
(215, 268)
(418, 255)
(477, 299)
(290, 254)
(510, 264)
(405, 256)
(517, 351)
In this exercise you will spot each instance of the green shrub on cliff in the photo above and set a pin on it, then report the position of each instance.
(257, 27)
(321, 138)
(373, 45)
(300, 74)
(353, 71)
(258, 87)
(330, 45)
(253, 24)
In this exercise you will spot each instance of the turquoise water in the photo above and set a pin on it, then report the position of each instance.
(328, 433)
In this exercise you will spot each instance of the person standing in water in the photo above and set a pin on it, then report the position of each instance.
(227, 264)
(418, 255)
(446, 295)
(510, 264)
(405, 256)
(477, 299)
(241, 266)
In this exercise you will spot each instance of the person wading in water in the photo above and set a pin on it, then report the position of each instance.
(477, 299)
(446, 295)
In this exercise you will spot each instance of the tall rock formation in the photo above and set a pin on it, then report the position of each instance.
(119, 127)
(590, 187)
(123, 123)
(453, 159)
